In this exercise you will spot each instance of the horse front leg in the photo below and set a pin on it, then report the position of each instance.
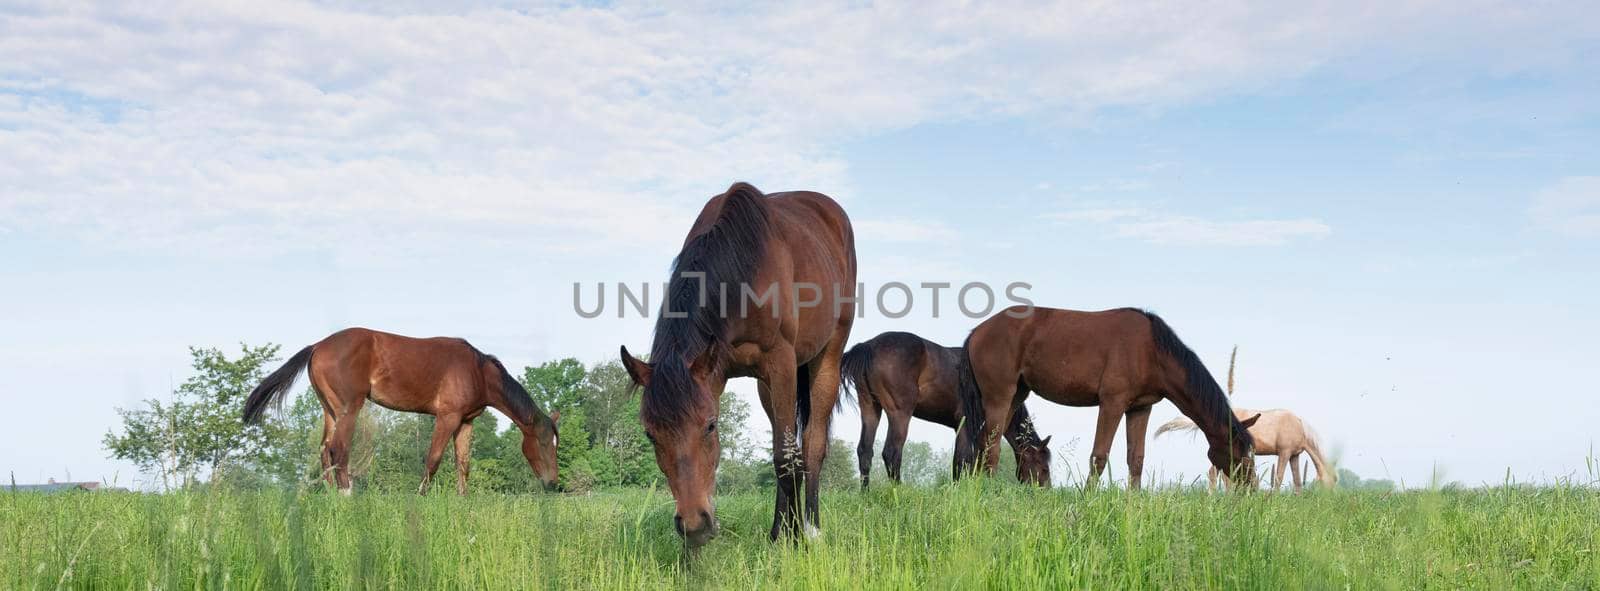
(1277, 471)
(1105, 429)
(443, 429)
(1138, 423)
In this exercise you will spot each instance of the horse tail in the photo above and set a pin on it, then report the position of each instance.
(971, 398)
(1327, 476)
(271, 389)
(1178, 424)
(853, 368)
(1210, 400)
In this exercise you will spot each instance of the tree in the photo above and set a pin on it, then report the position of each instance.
(620, 449)
(199, 432)
(491, 472)
(295, 455)
(744, 466)
(555, 385)
(1349, 480)
(920, 466)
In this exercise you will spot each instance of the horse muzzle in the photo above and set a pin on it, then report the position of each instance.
(696, 535)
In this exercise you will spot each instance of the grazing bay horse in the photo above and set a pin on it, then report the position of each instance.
(445, 377)
(763, 287)
(906, 376)
(1123, 361)
(1279, 433)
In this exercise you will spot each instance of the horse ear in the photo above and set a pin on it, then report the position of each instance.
(555, 417)
(638, 370)
(1046, 441)
(1250, 421)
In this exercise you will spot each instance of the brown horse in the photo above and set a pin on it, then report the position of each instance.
(1279, 433)
(1123, 361)
(445, 377)
(908, 376)
(764, 287)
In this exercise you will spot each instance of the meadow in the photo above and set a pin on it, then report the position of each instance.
(972, 534)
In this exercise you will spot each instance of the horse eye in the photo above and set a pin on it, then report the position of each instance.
(712, 427)
(648, 435)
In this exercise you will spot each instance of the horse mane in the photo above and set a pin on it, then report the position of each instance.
(517, 397)
(1209, 399)
(1311, 434)
(727, 253)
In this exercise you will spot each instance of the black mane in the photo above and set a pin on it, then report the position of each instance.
(517, 397)
(727, 254)
(1210, 400)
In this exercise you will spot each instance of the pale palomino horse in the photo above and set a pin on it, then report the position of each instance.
(1278, 432)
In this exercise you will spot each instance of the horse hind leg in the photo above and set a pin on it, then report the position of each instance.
(463, 456)
(776, 399)
(328, 424)
(1000, 397)
(894, 445)
(339, 450)
(871, 413)
(823, 392)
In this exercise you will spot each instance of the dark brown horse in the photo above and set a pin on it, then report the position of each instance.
(1123, 361)
(764, 287)
(445, 377)
(906, 376)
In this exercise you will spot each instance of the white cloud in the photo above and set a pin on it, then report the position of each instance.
(1116, 186)
(1099, 215)
(189, 125)
(1159, 228)
(1183, 230)
(902, 230)
(1571, 206)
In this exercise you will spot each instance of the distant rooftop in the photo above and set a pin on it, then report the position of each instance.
(53, 487)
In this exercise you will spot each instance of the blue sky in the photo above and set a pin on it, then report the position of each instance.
(1393, 210)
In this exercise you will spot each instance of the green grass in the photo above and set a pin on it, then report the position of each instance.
(971, 535)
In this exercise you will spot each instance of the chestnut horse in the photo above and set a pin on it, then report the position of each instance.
(1279, 433)
(445, 377)
(764, 287)
(908, 376)
(1123, 361)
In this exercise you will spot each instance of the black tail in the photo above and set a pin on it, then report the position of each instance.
(853, 368)
(271, 389)
(971, 399)
(802, 397)
(1211, 401)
